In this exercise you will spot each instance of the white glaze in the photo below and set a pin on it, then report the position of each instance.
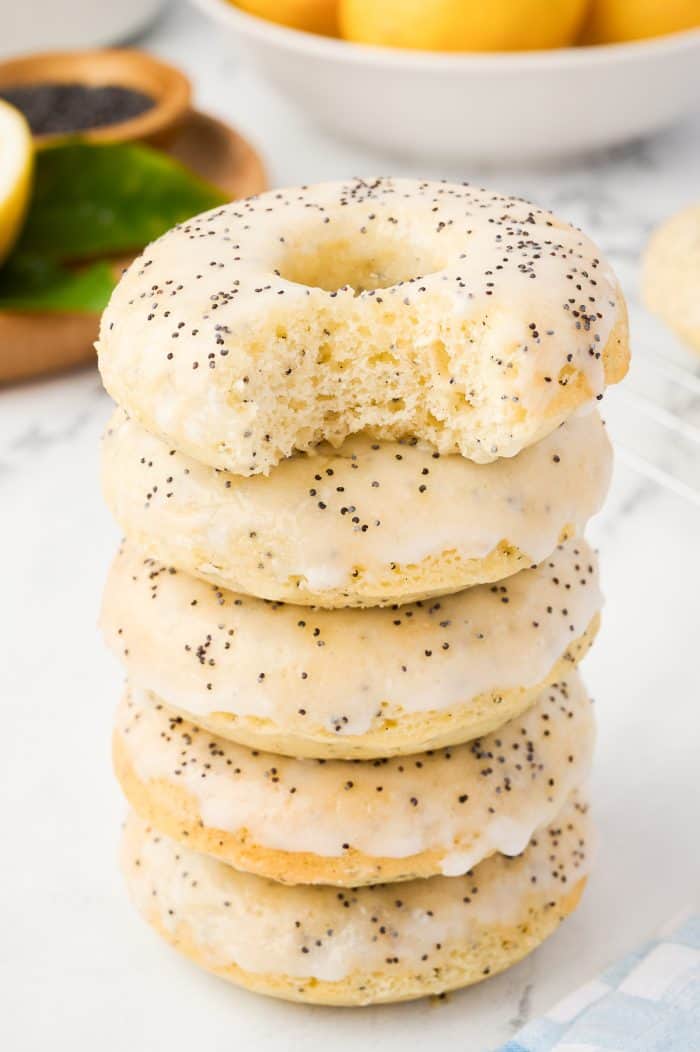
(448, 312)
(205, 650)
(319, 517)
(465, 801)
(271, 928)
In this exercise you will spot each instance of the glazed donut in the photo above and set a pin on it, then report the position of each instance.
(367, 525)
(348, 822)
(351, 683)
(399, 308)
(364, 945)
(671, 274)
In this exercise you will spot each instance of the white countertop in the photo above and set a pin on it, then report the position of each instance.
(78, 968)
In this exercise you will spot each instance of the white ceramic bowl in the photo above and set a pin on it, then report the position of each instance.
(481, 107)
(51, 25)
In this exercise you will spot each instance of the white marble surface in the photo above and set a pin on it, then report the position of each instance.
(78, 970)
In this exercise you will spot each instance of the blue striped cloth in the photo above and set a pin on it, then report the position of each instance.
(647, 1002)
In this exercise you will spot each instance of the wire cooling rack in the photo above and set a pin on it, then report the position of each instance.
(654, 420)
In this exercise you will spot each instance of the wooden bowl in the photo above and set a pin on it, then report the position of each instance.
(168, 87)
(31, 344)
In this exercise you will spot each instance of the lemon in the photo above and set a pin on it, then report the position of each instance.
(463, 25)
(16, 165)
(613, 21)
(313, 16)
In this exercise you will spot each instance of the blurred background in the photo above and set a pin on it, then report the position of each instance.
(589, 109)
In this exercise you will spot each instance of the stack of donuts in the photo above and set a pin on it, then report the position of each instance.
(356, 448)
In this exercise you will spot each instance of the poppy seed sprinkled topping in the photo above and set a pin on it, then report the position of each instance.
(351, 526)
(355, 451)
(412, 930)
(334, 674)
(472, 320)
(444, 813)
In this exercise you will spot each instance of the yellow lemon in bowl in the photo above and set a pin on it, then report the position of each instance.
(614, 21)
(313, 16)
(463, 25)
(16, 166)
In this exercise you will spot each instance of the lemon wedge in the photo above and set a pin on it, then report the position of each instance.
(16, 167)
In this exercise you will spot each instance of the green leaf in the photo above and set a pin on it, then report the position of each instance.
(100, 199)
(35, 284)
(93, 200)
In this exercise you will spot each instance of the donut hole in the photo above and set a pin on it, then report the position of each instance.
(363, 264)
